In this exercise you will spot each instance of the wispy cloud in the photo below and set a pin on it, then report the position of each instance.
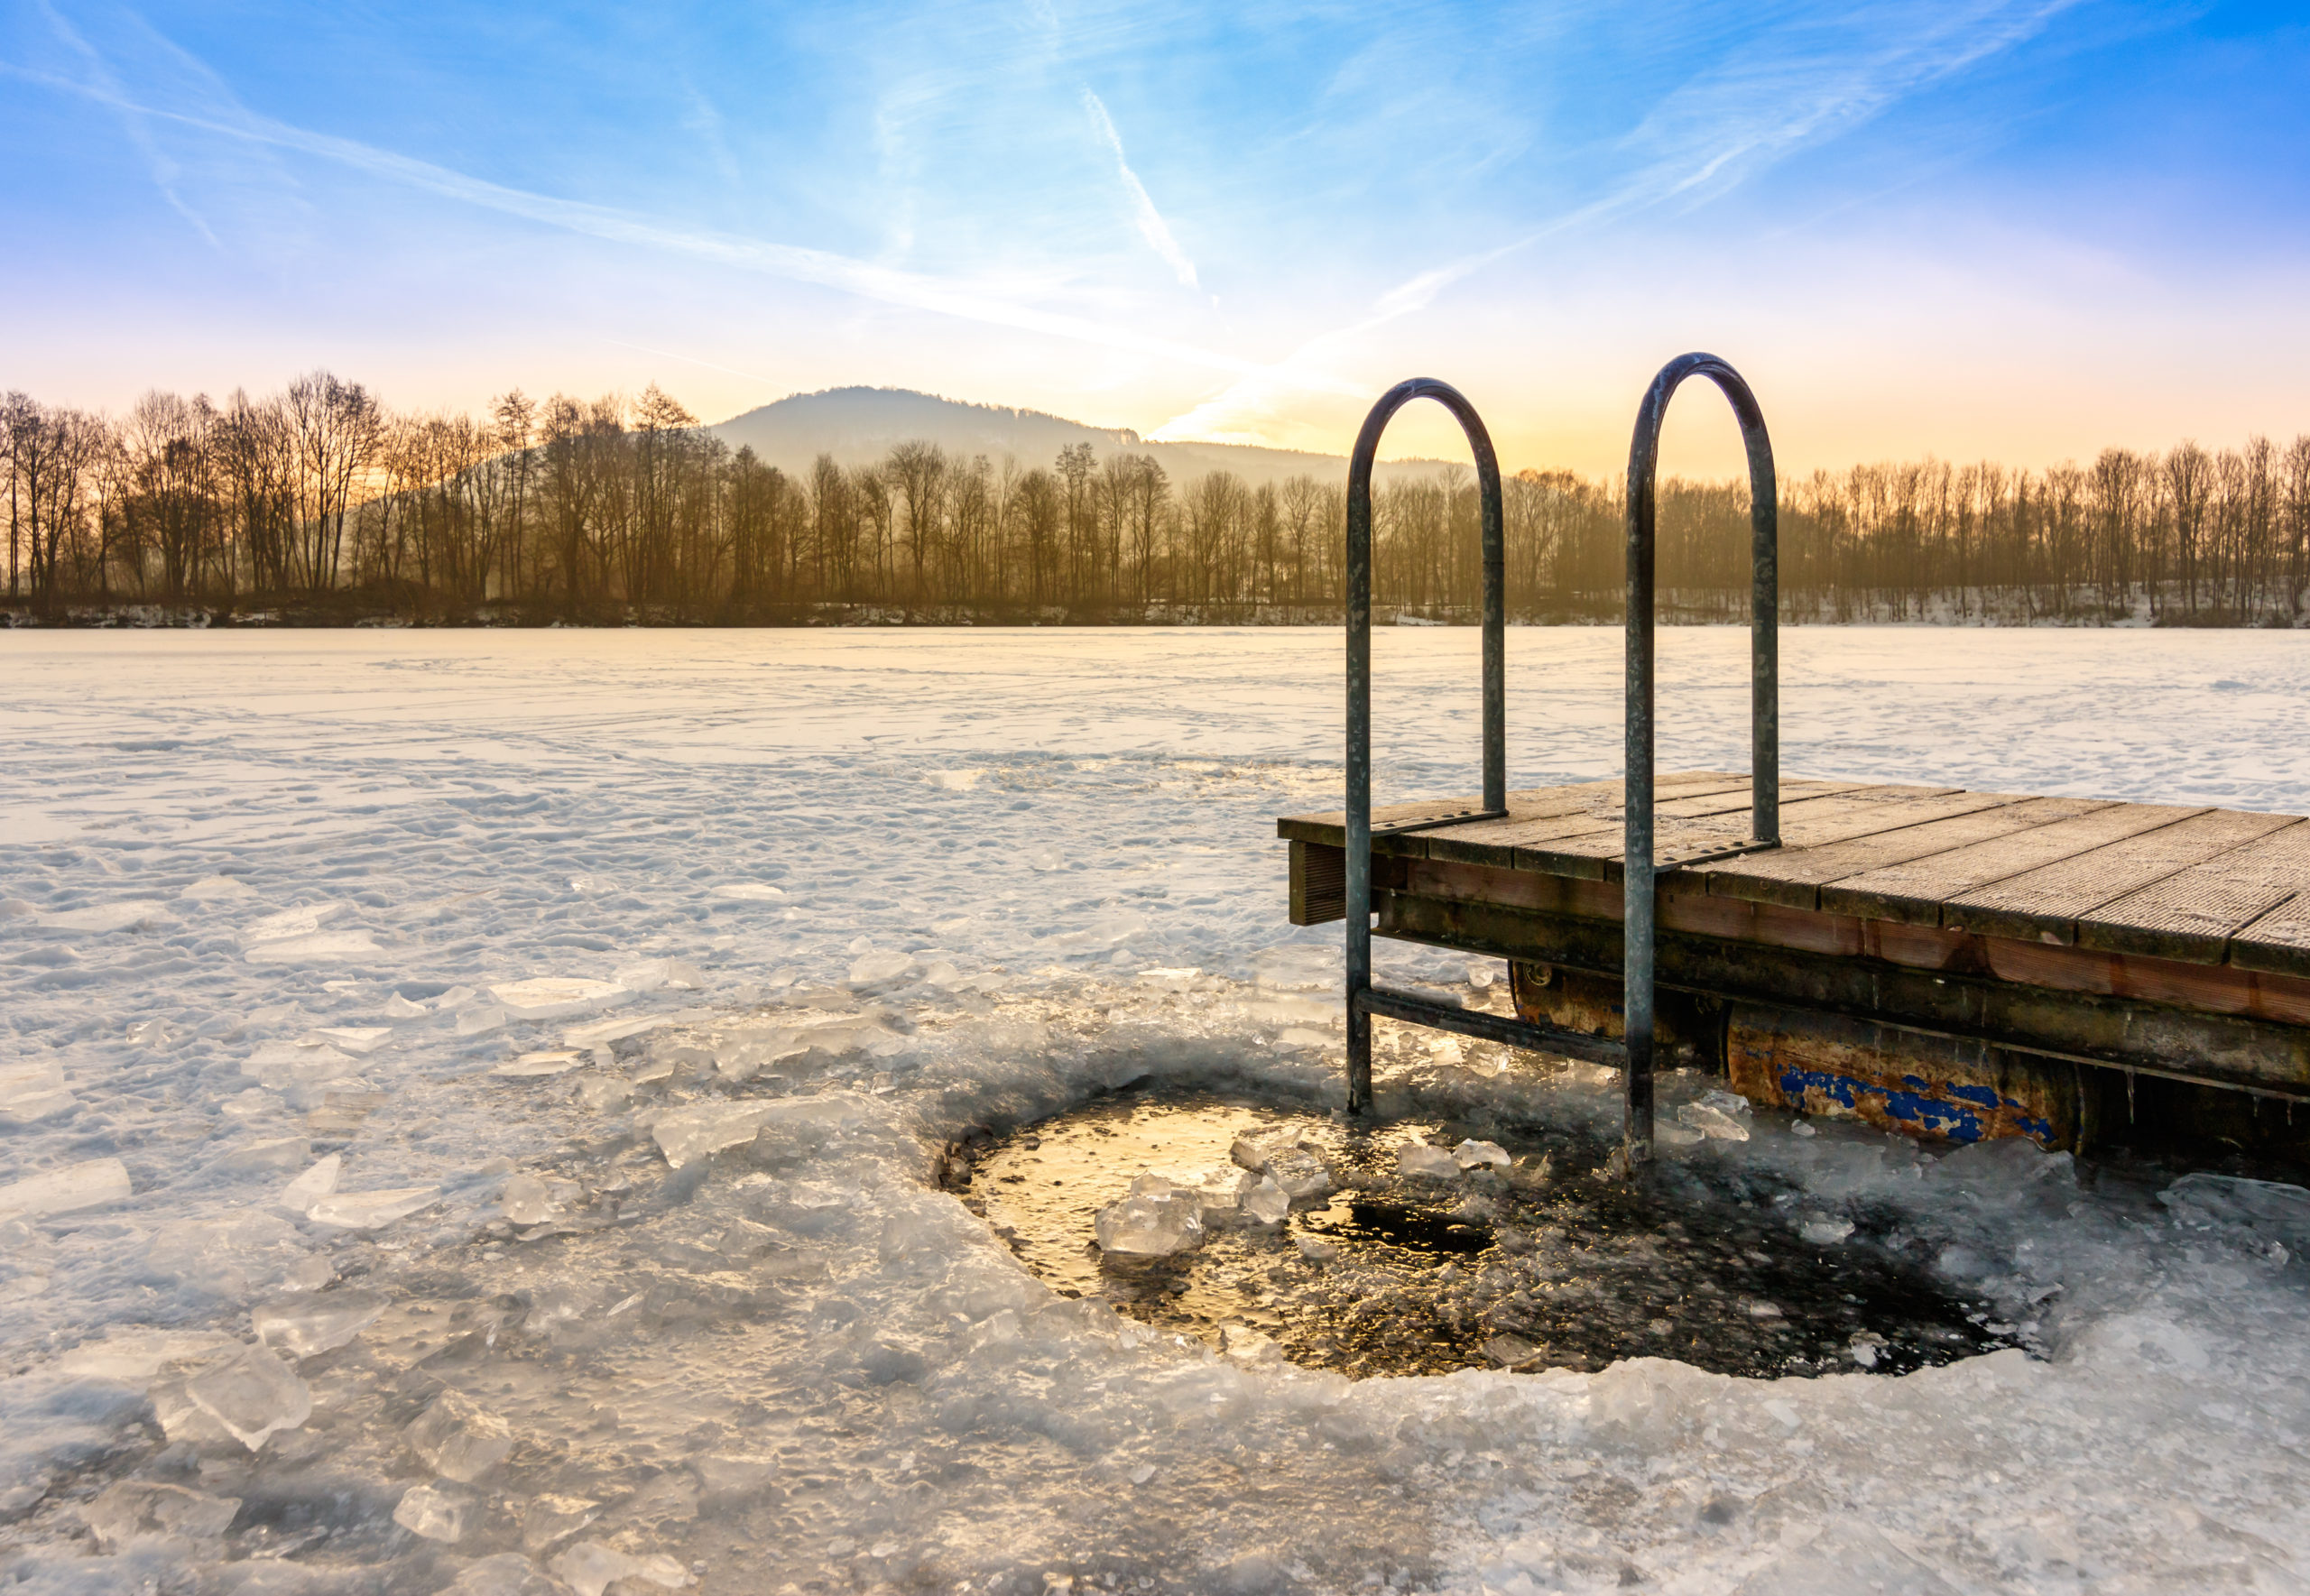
(1790, 91)
(793, 262)
(1150, 221)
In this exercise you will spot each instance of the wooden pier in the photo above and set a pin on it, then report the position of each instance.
(1954, 963)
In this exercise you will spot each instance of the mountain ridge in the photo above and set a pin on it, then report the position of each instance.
(858, 425)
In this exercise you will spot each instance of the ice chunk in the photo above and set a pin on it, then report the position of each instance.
(1153, 1224)
(603, 1032)
(133, 1509)
(1711, 1122)
(270, 1156)
(322, 947)
(1824, 1233)
(550, 1520)
(1723, 1102)
(434, 1513)
(1267, 1202)
(590, 1568)
(289, 923)
(312, 1323)
(1315, 1250)
(457, 1440)
(369, 1211)
(398, 1006)
(106, 917)
(553, 1062)
(308, 1188)
(230, 1254)
(749, 892)
(1300, 1173)
(557, 997)
(878, 969)
(2267, 1209)
(732, 1477)
(32, 1091)
(528, 1200)
(253, 1394)
(348, 1038)
(651, 974)
(693, 1131)
(1216, 1192)
(1428, 1163)
(1297, 966)
(90, 1183)
(1470, 1154)
(280, 1066)
(508, 1574)
(480, 1019)
(216, 888)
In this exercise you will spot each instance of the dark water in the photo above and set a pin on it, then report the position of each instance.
(1544, 1265)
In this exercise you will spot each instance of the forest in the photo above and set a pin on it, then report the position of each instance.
(319, 505)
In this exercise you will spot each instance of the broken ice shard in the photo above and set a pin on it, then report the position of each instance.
(133, 1509)
(1267, 1202)
(1712, 1123)
(590, 1568)
(1470, 1155)
(310, 1322)
(85, 1184)
(1153, 1224)
(253, 1394)
(1431, 1163)
(369, 1211)
(457, 1440)
(308, 1188)
(548, 998)
(434, 1513)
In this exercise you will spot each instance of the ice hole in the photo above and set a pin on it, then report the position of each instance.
(1425, 1263)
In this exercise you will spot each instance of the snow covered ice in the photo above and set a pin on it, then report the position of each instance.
(684, 1307)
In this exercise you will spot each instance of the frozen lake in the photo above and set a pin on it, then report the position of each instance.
(502, 1075)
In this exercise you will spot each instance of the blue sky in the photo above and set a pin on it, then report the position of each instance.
(1969, 227)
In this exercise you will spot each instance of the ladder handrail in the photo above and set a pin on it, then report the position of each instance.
(1359, 686)
(1638, 900)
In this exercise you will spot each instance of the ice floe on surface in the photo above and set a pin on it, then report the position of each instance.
(682, 1303)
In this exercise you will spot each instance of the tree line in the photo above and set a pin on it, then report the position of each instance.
(321, 499)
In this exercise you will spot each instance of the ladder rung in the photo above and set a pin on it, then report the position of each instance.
(1493, 1027)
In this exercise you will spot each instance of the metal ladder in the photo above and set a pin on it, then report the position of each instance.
(1635, 1051)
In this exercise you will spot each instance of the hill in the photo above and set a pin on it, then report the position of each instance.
(857, 426)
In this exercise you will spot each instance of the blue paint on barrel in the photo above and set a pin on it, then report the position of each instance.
(1921, 1103)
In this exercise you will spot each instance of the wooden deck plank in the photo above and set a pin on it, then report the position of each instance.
(1913, 892)
(2277, 942)
(2045, 904)
(1524, 804)
(1797, 877)
(2193, 913)
(1807, 823)
(1591, 806)
(1492, 841)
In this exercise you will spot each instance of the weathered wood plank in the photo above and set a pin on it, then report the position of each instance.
(2278, 942)
(2217, 989)
(2193, 913)
(2045, 903)
(1318, 884)
(1807, 823)
(1913, 892)
(1593, 807)
(1524, 804)
(1796, 876)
